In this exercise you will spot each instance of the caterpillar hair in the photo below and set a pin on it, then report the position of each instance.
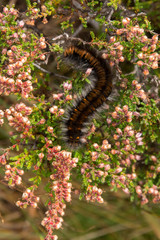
(95, 94)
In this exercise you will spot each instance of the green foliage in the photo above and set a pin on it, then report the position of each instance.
(114, 3)
(84, 22)
(66, 24)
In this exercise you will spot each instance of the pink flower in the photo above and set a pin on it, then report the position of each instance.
(53, 109)
(67, 86)
(126, 21)
(68, 97)
(50, 129)
(21, 23)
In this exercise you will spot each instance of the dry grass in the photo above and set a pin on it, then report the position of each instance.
(118, 219)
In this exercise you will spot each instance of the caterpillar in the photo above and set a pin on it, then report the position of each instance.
(95, 94)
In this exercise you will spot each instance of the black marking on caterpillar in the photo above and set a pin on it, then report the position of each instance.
(95, 95)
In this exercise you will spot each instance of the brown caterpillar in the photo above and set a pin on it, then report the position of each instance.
(101, 81)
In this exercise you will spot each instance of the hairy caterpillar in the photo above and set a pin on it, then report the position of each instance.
(94, 96)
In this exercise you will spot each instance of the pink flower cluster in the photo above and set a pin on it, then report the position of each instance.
(94, 194)
(15, 68)
(3, 159)
(19, 80)
(12, 175)
(53, 219)
(1, 117)
(6, 12)
(104, 169)
(147, 193)
(137, 91)
(143, 193)
(57, 96)
(29, 199)
(17, 117)
(115, 52)
(16, 76)
(58, 112)
(123, 180)
(124, 149)
(122, 114)
(124, 138)
(100, 170)
(67, 86)
(62, 165)
(148, 57)
(9, 85)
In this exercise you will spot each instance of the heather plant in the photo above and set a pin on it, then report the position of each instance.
(122, 141)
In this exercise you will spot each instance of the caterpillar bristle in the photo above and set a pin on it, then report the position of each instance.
(93, 97)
